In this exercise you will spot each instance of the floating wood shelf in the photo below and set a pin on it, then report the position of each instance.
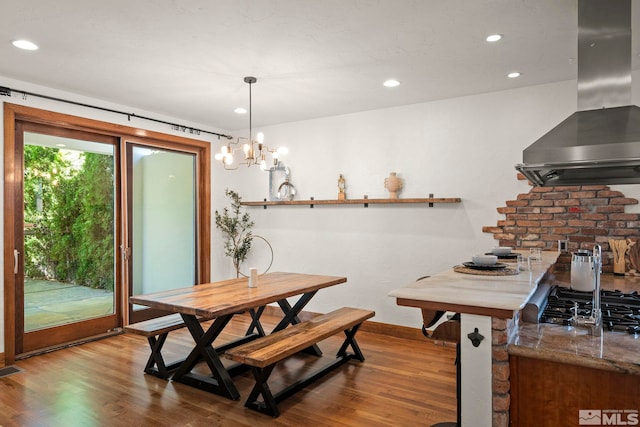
(366, 202)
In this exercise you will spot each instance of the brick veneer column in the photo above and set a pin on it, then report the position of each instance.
(500, 373)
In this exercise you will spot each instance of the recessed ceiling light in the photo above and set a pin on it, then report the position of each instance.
(391, 83)
(514, 74)
(24, 44)
(493, 38)
(240, 110)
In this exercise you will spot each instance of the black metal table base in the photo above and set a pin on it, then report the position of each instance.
(220, 382)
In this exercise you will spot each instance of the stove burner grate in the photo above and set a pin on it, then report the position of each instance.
(620, 311)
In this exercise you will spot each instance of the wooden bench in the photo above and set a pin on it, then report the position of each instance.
(263, 353)
(156, 330)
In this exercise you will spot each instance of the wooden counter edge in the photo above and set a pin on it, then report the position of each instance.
(501, 313)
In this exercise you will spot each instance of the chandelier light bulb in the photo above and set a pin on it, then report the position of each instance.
(260, 137)
(283, 150)
(219, 156)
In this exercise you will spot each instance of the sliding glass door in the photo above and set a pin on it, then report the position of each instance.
(95, 212)
(162, 233)
(66, 258)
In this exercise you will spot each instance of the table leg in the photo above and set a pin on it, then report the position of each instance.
(255, 321)
(221, 382)
(291, 318)
(291, 313)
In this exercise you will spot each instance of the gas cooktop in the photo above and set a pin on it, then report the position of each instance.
(620, 311)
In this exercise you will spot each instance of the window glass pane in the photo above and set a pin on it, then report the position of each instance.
(69, 259)
(164, 220)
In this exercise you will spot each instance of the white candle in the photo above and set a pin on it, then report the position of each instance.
(253, 277)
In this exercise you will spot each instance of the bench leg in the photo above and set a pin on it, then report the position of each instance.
(350, 341)
(268, 405)
(156, 358)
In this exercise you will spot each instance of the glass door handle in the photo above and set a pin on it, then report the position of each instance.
(16, 254)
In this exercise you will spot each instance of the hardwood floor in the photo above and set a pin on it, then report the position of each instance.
(401, 383)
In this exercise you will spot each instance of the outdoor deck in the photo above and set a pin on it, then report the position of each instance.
(49, 303)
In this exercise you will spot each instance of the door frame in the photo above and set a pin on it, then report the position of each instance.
(36, 340)
(14, 113)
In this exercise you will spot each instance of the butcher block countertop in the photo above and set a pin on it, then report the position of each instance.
(496, 296)
(613, 351)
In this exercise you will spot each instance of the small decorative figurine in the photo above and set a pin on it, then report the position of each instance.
(394, 184)
(341, 187)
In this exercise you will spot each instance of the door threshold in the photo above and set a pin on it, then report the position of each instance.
(110, 333)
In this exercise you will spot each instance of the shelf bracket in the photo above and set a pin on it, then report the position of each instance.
(265, 205)
(366, 205)
(311, 204)
(431, 197)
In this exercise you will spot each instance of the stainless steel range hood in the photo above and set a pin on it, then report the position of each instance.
(600, 144)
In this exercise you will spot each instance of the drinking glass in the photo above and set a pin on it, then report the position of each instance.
(523, 263)
(535, 255)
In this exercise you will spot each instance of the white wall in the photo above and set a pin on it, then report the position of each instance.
(463, 147)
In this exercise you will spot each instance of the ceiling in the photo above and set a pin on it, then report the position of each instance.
(312, 58)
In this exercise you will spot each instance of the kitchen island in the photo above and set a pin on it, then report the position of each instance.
(489, 307)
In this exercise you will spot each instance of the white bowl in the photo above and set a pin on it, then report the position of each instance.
(501, 250)
(484, 259)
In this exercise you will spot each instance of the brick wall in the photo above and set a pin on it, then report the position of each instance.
(500, 384)
(583, 215)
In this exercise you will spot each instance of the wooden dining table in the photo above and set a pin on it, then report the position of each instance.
(222, 300)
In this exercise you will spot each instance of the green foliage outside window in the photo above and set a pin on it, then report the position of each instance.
(69, 217)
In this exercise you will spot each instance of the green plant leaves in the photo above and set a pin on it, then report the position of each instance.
(236, 229)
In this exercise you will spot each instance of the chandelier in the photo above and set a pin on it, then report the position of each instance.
(254, 151)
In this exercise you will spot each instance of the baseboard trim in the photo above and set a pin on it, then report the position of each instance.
(405, 332)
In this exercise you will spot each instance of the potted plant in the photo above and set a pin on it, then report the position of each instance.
(236, 229)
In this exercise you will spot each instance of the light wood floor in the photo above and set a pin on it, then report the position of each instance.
(401, 383)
